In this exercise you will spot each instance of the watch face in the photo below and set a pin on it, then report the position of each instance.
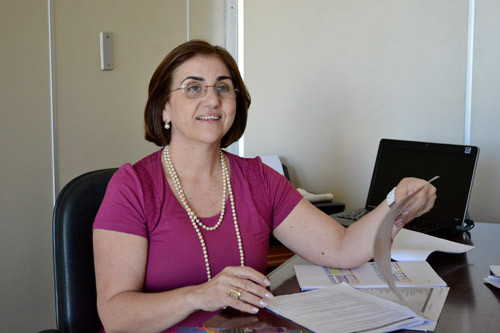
(391, 197)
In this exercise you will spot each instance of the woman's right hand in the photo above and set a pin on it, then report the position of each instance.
(249, 283)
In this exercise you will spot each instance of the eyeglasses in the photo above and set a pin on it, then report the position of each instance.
(195, 90)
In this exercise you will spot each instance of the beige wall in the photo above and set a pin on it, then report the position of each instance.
(25, 177)
(329, 79)
(486, 111)
(371, 67)
(208, 21)
(99, 120)
(100, 113)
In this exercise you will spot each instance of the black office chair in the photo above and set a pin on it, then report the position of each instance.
(74, 214)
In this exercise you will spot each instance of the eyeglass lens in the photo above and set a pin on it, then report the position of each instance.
(195, 89)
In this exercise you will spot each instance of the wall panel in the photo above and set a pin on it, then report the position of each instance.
(208, 20)
(486, 111)
(329, 79)
(26, 278)
(100, 113)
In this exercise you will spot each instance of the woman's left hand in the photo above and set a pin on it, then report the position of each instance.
(421, 204)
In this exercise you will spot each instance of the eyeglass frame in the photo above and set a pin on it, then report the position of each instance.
(205, 89)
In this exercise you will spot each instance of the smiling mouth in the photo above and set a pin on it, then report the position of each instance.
(208, 118)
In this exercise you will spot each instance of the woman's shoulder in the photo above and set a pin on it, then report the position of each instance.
(142, 171)
(142, 180)
(254, 170)
(150, 162)
(254, 167)
(254, 163)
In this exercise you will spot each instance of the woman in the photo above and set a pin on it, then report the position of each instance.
(184, 232)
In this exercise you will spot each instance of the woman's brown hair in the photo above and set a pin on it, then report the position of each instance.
(161, 84)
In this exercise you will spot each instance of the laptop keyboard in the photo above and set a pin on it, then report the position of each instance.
(354, 214)
(424, 226)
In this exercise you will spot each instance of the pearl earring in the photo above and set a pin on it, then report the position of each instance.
(167, 125)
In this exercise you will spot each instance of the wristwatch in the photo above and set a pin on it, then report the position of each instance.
(391, 197)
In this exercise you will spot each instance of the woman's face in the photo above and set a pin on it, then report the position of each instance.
(204, 119)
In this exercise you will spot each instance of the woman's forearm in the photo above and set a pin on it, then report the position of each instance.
(132, 311)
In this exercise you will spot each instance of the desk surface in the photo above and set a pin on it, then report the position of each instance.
(471, 305)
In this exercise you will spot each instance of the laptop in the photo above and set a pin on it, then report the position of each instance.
(454, 164)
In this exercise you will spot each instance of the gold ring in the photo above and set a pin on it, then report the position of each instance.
(234, 294)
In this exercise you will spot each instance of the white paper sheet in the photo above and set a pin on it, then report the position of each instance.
(409, 245)
(493, 280)
(495, 269)
(341, 308)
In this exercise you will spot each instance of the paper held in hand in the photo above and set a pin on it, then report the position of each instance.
(383, 239)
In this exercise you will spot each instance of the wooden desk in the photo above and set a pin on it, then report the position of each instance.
(471, 305)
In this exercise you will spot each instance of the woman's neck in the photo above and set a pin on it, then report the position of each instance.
(196, 162)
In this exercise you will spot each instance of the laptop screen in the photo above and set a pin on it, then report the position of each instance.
(454, 164)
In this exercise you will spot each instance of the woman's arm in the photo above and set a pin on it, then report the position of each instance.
(318, 238)
(120, 266)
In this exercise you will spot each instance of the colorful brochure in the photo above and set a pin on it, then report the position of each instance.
(404, 274)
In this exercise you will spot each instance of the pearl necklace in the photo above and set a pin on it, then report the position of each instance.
(195, 221)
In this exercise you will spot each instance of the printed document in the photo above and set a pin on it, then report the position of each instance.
(341, 308)
(429, 301)
(404, 274)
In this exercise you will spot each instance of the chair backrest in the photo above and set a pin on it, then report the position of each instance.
(74, 214)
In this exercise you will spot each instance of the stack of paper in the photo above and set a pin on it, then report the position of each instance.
(341, 308)
(494, 279)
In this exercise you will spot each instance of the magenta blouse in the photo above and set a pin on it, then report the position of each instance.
(139, 201)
